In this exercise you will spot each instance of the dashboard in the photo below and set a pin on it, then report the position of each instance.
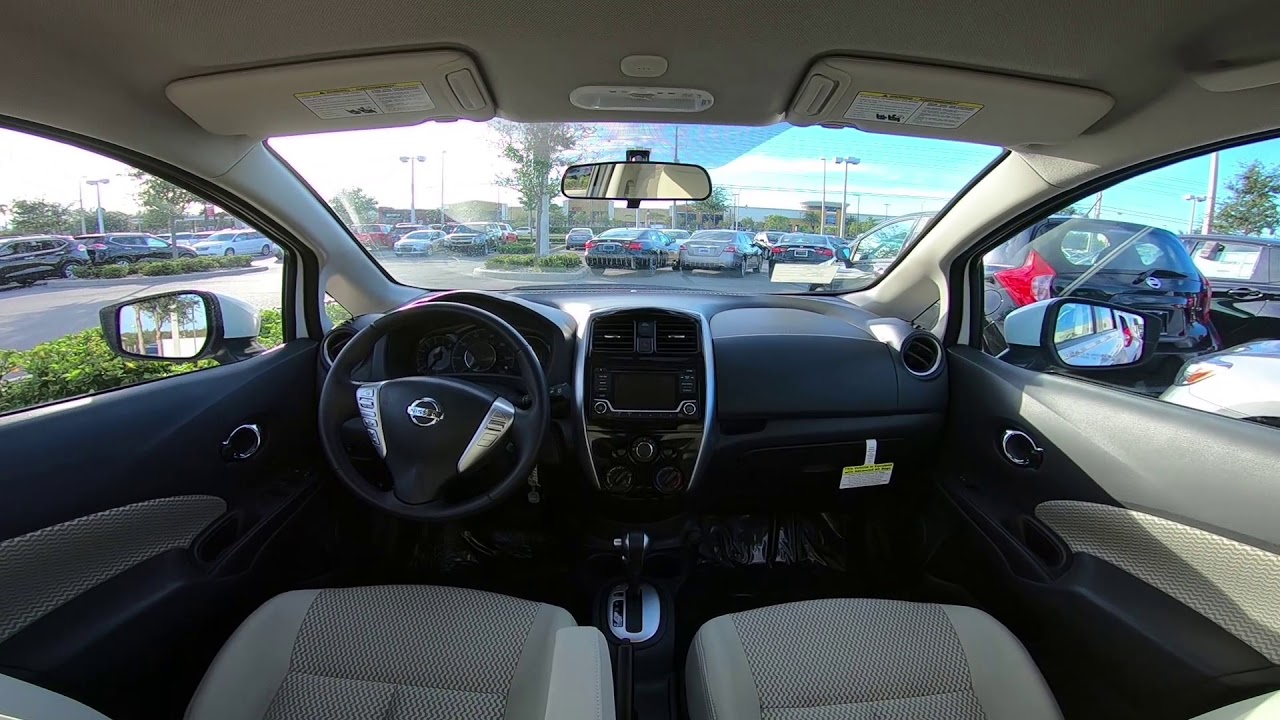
(472, 349)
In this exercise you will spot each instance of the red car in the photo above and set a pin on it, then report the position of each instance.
(374, 235)
(508, 234)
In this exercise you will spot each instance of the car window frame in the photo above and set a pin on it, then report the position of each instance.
(1260, 266)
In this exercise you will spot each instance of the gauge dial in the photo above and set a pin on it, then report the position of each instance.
(481, 351)
(434, 355)
(541, 349)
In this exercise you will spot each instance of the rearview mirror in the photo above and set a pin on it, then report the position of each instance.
(636, 181)
(182, 326)
(1080, 335)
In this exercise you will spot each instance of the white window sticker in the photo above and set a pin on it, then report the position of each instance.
(857, 476)
(910, 110)
(390, 98)
(870, 458)
(802, 273)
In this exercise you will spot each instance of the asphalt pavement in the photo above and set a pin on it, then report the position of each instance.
(46, 311)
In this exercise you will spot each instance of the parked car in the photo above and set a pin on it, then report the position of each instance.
(234, 242)
(633, 248)
(476, 238)
(508, 233)
(578, 238)
(805, 248)
(875, 250)
(724, 250)
(524, 232)
(418, 243)
(766, 239)
(1245, 276)
(402, 229)
(1134, 265)
(1240, 382)
(24, 260)
(128, 248)
(374, 235)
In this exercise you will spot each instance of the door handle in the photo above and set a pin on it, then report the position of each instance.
(1019, 449)
(1244, 293)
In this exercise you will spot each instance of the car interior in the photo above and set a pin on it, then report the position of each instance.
(638, 501)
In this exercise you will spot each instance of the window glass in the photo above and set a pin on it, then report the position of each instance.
(1165, 249)
(51, 345)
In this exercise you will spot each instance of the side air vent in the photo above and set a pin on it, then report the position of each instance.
(334, 342)
(922, 355)
(613, 336)
(677, 336)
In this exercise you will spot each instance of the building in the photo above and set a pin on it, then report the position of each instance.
(833, 210)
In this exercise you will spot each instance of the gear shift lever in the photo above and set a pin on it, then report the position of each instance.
(633, 546)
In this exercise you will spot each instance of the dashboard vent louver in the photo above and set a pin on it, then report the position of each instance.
(334, 342)
(613, 336)
(922, 355)
(677, 336)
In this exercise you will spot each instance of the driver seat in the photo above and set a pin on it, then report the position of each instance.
(407, 652)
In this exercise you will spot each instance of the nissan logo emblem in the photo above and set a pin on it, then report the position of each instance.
(425, 412)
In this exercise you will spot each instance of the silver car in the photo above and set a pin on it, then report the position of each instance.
(726, 250)
(1240, 382)
(418, 243)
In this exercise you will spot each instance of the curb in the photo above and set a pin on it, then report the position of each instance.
(134, 280)
(552, 276)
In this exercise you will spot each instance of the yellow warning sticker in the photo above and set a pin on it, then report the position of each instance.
(911, 110)
(865, 475)
(385, 99)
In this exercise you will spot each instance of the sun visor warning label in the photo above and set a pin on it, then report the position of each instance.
(910, 110)
(387, 99)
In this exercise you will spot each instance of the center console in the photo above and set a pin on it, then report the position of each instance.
(643, 379)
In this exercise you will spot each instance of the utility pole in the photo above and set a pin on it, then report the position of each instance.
(844, 197)
(413, 194)
(80, 187)
(442, 187)
(1097, 207)
(858, 212)
(822, 213)
(1211, 195)
(1191, 225)
(736, 197)
(886, 211)
(97, 187)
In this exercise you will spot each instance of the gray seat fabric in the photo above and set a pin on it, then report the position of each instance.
(854, 659)
(405, 653)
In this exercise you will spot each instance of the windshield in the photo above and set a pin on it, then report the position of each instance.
(802, 239)
(220, 237)
(837, 182)
(472, 229)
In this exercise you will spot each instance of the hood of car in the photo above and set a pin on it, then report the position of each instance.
(208, 244)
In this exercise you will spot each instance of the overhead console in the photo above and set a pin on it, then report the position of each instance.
(646, 394)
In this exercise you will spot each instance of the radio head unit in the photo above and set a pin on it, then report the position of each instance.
(647, 394)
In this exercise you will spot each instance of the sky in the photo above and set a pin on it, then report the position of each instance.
(776, 167)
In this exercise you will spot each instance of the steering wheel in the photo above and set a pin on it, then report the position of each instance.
(432, 432)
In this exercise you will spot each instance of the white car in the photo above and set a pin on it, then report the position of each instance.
(418, 243)
(234, 242)
(1240, 382)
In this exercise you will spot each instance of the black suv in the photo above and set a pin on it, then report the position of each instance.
(1245, 273)
(24, 260)
(129, 248)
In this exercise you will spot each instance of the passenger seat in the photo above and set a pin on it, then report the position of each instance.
(862, 658)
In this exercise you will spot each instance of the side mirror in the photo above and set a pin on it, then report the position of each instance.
(845, 253)
(1080, 335)
(182, 326)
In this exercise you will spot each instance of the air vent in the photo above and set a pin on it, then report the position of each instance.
(613, 336)
(334, 342)
(922, 354)
(677, 336)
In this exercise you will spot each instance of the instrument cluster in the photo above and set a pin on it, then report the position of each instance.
(472, 349)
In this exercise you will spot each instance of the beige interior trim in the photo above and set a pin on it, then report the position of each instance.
(329, 95)
(1263, 707)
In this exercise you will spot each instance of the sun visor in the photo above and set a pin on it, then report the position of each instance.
(909, 99)
(328, 95)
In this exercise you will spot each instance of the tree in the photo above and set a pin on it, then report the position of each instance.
(40, 216)
(747, 224)
(1251, 207)
(162, 203)
(538, 152)
(713, 208)
(354, 206)
(779, 223)
(1073, 211)
(112, 221)
(857, 227)
(812, 220)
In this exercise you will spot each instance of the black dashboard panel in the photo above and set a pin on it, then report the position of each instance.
(787, 362)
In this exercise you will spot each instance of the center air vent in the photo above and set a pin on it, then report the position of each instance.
(613, 336)
(922, 354)
(677, 336)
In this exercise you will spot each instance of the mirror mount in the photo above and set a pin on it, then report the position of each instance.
(184, 326)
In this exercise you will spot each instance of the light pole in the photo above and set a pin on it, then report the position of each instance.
(736, 197)
(822, 213)
(1212, 195)
(858, 210)
(97, 187)
(844, 197)
(442, 188)
(413, 194)
(80, 187)
(1191, 225)
(886, 211)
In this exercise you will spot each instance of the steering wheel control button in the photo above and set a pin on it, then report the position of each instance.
(643, 450)
(668, 480)
(689, 408)
(365, 391)
(366, 402)
(618, 479)
(370, 422)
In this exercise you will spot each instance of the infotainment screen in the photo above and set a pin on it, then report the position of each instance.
(644, 391)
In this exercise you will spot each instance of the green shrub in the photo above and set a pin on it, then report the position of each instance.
(159, 267)
(563, 261)
(112, 271)
(529, 262)
(337, 314)
(271, 329)
(520, 248)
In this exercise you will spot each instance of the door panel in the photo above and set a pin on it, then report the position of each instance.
(1139, 555)
(130, 544)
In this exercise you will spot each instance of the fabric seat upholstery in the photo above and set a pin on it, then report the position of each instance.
(405, 653)
(857, 658)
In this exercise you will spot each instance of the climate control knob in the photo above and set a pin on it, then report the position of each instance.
(668, 480)
(600, 408)
(689, 408)
(618, 479)
(644, 450)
